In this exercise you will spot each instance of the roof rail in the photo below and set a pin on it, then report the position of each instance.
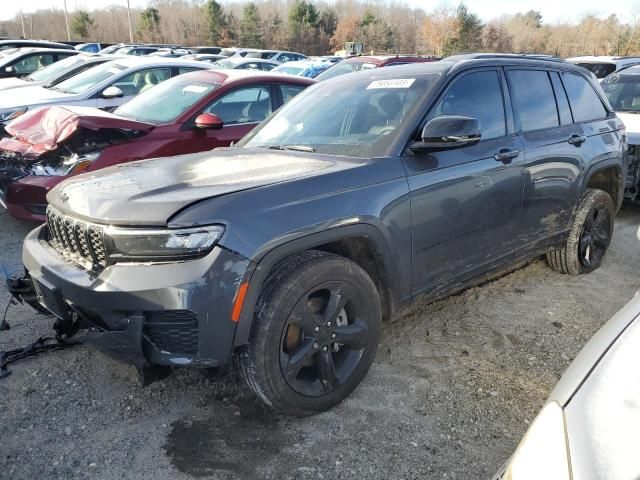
(526, 56)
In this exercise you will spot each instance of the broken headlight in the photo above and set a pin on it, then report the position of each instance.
(140, 244)
(77, 163)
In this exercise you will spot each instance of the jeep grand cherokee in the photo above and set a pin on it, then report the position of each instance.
(360, 194)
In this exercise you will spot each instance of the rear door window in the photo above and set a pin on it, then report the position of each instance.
(477, 95)
(31, 63)
(533, 99)
(585, 102)
(561, 99)
(289, 91)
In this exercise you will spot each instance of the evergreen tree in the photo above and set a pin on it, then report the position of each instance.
(81, 23)
(251, 27)
(149, 25)
(216, 21)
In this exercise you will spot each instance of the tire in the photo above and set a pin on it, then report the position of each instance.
(585, 249)
(293, 363)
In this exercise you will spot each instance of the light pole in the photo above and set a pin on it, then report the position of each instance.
(66, 20)
(129, 18)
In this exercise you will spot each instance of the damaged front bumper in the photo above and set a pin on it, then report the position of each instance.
(173, 314)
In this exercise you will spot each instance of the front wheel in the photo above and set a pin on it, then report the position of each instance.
(315, 333)
(589, 237)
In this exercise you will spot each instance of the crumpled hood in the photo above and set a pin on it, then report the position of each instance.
(149, 192)
(632, 123)
(41, 130)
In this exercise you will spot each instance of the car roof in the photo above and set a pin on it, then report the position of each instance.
(131, 61)
(226, 76)
(240, 60)
(603, 59)
(35, 43)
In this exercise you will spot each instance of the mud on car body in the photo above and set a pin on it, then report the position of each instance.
(209, 109)
(360, 194)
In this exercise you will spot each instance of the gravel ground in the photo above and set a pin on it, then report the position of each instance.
(454, 386)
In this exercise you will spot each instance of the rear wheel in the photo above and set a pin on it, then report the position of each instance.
(315, 334)
(589, 237)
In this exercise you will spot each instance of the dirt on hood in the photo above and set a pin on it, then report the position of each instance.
(42, 130)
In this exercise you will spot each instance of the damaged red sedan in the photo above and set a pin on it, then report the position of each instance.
(192, 112)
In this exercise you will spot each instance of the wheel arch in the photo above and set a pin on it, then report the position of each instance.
(363, 243)
(607, 176)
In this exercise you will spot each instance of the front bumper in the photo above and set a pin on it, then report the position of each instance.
(170, 314)
(26, 198)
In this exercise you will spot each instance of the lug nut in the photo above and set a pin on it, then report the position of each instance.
(333, 335)
(315, 345)
(325, 349)
(328, 324)
(317, 329)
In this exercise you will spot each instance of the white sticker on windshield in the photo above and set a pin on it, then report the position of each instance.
(393, 83)
(114, 70)
(194, 88)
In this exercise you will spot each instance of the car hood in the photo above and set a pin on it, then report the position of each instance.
(150, 192)
(30, 96)
(9, 83)
(632, 123)
(39, 131)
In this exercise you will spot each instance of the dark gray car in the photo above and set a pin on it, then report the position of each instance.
(360, 194)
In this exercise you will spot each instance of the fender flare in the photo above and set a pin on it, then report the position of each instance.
(599, 166)
(260, 269)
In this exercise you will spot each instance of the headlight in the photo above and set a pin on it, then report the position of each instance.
(11, 114)
(139, 244)
(77, 163)
(543, 452)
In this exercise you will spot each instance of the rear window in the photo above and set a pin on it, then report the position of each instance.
(600, 70)
(533, 98)
(585, 102)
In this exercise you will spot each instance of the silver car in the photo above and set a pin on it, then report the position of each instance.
(56, 72)
(588, 429)
(105, 86)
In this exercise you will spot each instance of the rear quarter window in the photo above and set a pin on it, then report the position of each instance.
(585, 102)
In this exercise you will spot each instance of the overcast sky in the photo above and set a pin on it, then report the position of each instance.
(552, 10)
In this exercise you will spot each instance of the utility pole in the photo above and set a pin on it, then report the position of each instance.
(24, 34)
(66, 20)
(129, 18)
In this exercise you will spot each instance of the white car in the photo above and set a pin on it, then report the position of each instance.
(588, 429)
(105, 86)
(603, 66)
(56, 72)
(276, 56)
(623, 91)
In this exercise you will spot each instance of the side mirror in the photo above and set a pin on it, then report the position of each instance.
(112, 92)
(10, 69)
(209, 121)
(448, 131)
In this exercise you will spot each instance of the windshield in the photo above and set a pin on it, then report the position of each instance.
(600, 70)
(345, 67)
(360, 117)
(90, 78)
(290, 70)
(152, 105)
(52, 71)
(226, 63)
(623, 92)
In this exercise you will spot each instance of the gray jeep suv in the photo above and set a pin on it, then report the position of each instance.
(287, 251)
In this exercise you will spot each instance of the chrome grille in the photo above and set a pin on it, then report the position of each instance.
(78, 240)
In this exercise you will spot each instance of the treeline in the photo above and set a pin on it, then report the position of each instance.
(317, 27)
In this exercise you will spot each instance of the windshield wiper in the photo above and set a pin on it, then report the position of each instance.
(297, 148)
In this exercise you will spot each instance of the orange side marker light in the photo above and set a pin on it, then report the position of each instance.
(237, 304)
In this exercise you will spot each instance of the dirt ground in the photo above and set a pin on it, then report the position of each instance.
(454, 386)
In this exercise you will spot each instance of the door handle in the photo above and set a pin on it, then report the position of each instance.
(577, 140)
(505, 155)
